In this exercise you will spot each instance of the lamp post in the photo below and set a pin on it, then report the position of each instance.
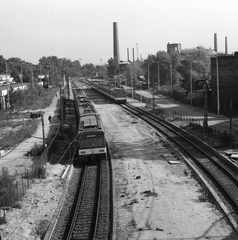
(148, 76)
(218, 89)
(158, 75)
(7, 89)
(191, 80)
(171, 77)
(191, 83)
(141, 91)
(32, 80)
(21, 78)
(132, 85)
(48, 78)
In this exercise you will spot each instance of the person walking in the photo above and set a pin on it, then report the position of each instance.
(50, 119)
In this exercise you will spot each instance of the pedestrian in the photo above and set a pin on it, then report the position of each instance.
(50, 118)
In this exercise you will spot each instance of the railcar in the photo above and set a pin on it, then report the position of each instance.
(91, 138)
(117, 95)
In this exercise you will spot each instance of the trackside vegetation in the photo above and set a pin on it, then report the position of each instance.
(16, 124)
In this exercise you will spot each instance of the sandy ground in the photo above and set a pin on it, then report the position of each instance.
(153, 199)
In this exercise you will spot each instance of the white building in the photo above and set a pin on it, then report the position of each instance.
(5, 78)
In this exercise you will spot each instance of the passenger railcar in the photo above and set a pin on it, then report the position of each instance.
(91, 137)
(92, 142)
(117, 95)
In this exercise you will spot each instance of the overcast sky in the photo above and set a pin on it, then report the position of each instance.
(83, 29)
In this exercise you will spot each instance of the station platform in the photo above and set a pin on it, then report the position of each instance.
(220, 121)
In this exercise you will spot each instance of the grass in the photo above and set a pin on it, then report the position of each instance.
(19, 123)
(12, 138)
(149, 224)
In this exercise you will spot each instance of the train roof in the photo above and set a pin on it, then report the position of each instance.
(90, 121)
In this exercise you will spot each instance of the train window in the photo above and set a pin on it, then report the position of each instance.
(92, 142)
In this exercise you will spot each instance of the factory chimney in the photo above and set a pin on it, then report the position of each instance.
(226, 49)
(128, 58)
(215, 42)
(116, 54)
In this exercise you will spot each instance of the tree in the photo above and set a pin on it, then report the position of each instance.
(112, 67)
(199, 60)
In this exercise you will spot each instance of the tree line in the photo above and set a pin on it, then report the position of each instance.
(193, 64)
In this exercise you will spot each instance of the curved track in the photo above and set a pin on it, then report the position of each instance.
(215, 166)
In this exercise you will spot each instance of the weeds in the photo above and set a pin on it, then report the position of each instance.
(36, 150)
(42, 228)
(14, 137)
(133, 222)
(2, 220)
(15, 120)
(39, 171)
(149, 224)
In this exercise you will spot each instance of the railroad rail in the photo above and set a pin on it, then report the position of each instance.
(87, 210)
(215, 166)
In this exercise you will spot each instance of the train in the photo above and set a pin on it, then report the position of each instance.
(117, 95)
(91, 136)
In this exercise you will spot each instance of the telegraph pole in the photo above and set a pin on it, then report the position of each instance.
(43, 129)
(205, 124)
(8, 103)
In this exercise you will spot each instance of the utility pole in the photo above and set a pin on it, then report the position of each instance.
(205, 124)
(148, 76)
(230, 116)
(153, 83)
(8, 103)
(191, 84)
(218, 89)
(43, 129)
(21, 78)
(32, 80)
(171, 78)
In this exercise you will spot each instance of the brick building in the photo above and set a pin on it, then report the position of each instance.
(227, 82)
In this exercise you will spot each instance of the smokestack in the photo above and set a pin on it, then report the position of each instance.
(133, 55)
(137, 51)
(215, 42)
(128, 58)
(226, 49)
(116, 54)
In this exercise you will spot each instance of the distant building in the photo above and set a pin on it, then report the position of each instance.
(5, 78)
(174, 47)
(227, 80)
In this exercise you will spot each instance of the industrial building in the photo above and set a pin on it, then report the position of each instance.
(224, 83)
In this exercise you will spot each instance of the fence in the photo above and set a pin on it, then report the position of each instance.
(16, 190)
(222, 136)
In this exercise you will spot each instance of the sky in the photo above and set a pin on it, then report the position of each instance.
(83, 29)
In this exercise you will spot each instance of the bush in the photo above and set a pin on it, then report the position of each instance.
(39, 171)
(36, 150)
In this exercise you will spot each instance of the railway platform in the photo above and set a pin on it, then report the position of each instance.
(222, 122)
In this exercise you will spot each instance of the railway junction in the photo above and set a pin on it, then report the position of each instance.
(156, 195)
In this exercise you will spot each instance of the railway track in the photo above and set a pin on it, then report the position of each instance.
(222, 172)
(87, 210)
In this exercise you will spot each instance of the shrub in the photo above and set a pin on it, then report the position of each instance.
(36, 150)
(39, 171)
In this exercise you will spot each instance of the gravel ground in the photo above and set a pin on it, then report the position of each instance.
(152, 198)
(155, 199)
